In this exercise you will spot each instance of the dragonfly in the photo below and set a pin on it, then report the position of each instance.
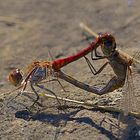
(121, 64)
(38, 71)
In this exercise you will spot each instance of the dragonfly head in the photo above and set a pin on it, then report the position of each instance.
(108, 44)
(15, 77)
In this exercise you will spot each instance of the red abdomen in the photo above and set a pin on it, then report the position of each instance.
(59, 63)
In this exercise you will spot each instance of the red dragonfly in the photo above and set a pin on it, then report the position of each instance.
(38, 71)
(121, 64)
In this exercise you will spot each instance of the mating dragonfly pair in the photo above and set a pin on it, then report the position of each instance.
(39, 71)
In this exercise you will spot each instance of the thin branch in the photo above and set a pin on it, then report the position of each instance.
(88, 103)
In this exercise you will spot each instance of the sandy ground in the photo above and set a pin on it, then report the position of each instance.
(29, 29)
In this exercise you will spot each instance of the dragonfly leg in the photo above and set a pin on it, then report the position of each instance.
(61, 85)
(88, 38)
(97, 57)
(36, 101)
(56, 79)
(93, 70)
(23, 86)
(42, 87)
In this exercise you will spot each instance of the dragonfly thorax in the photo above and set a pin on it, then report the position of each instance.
(38, 75)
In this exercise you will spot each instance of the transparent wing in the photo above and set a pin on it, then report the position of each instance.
(130, 102)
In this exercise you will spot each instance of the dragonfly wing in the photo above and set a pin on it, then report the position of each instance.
(128, 100)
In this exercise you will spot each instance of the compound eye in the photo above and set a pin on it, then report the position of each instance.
(108, 43)
(15, 77)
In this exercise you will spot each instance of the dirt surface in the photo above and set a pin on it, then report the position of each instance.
(29, 29)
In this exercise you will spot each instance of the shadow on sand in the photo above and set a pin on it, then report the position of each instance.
(56, 119)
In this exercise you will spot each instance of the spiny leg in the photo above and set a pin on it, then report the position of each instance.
(64, 106)
(7, 104)
(36, 101)
(46, 81)
(60, 84)
(43, 88)
(24, 87)
(56, 79)
(93, 70)
(97, 57)
(23, 84)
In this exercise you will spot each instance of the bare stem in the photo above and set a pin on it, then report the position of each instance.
(88, 103)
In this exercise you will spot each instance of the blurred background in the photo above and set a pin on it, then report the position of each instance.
(29, 29)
